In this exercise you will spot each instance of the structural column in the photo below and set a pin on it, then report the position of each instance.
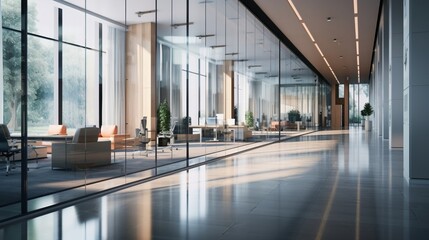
(340, 108)
(141, 81)
(416, 89)
(229, 89)
(378, 83)
(396, 83)
(385, 71)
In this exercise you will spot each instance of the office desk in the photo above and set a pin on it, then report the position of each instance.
(233, 129)
(199, 130)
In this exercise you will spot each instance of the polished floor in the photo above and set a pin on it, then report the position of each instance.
(325, 185)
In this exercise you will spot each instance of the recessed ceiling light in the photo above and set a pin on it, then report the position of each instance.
(335, 40)
(312, 38)
(341, 57)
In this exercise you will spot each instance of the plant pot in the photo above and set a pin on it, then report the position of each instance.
(162, 141)
(368, 125)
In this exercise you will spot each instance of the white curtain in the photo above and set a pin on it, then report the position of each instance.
(113, 107)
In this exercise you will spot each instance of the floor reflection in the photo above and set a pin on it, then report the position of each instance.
(334, 186)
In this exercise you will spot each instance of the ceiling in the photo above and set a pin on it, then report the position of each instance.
(340, 53)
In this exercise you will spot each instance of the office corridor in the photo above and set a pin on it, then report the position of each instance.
(325, 185)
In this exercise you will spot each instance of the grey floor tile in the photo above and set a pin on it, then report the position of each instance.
(344, 186)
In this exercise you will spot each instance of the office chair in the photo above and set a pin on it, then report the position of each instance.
(143, 136)
(7, 150)
(170, 135)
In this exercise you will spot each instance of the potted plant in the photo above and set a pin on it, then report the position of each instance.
(294, 115)
(249, 119)
(366, 112)
(164, 120)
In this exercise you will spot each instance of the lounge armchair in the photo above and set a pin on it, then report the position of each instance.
(110, 133)
(83, 152)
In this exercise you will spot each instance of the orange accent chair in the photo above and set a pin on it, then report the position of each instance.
(110, 133)
(54, 130)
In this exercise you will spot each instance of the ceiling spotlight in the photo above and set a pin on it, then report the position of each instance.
(341, 57)
(328, 19)
(335, 40)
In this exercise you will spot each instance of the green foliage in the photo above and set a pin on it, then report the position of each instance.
(367, 110)
(249, 119)
(74, 86)
(164, 117)
(40, 69)
(294, 115)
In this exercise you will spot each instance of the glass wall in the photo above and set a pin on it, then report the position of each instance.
(359, 95)
(10, 103)
(125, 90)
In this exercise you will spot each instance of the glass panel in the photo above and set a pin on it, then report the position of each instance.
(10, 104)
(171, 79)
(358, 97)
(73, 28)
(43, 18)
(11, 14)
(140, 117)
(73, 87)
(42, 87)
(100, 63)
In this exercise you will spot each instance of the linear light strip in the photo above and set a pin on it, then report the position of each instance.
(326, 61)
(308, 32)
(356, 19)
(356, 27)
(318, 49)
(355, 6)
(312, 38)
(295, 10)
(357, 47)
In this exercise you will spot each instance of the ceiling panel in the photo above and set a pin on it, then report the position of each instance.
(341, 52)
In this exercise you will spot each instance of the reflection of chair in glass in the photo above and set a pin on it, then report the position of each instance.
(142, 136)
(7, 150)
(169, 135)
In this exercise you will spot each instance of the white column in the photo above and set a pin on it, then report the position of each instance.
(396, 128)
(416, 89)
(385, 72)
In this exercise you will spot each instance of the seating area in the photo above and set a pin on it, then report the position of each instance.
(285, 125)
(83, 152)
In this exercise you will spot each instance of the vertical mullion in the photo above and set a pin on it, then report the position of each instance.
(60, 66)
(100, 74)
(278, 90)
(24, 102)
(187, 81)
